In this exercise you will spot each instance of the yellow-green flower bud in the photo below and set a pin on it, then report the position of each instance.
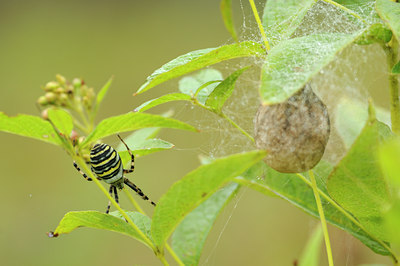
(51, 86)
(50, 97)
(60, 90)
(77, 82)
(61, 79)
(42, 100)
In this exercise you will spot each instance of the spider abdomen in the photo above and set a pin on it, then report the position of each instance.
(106, 163)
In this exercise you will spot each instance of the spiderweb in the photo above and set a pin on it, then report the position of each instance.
(346, 79)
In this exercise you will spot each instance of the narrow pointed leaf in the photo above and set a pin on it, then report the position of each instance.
(351, 116)
(291, 188)
(357, 183)
(29, 126)
(132, 121)
(189, 237)
(280, 20)
(389, 12)
(200, 84)
(102, 92)
(114, 223)
(312, 250)
(145, 147)
(291, 64)
(201, 58)
(62, 120)
(396, 68)
(163, 99)
(223, 91)
(226, 11)
(195, 188)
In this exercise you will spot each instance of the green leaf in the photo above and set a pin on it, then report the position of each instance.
(392, 221)
(396, 68)
(223, 91)
(312, 250)
(144, 147)
(200, 84)
(226, 12)
(389, 155)
(389, 12)
(132, 121)
(376, 33)
(189, 237)
(102, 92)
(293, 189)
(292, 63)
(201, 58)
(163, 99)
(29, 126)
(357, 183)
(351, 116)
(195, 188)
(61, 119)
(113, 222)
(280, 20)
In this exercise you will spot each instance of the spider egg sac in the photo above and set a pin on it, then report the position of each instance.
(294, 132)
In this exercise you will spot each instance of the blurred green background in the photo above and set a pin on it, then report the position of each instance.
(128, 39)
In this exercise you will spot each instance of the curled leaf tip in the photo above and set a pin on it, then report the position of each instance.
(51, 234)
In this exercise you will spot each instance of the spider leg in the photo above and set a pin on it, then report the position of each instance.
(137, 190)
(126, 171)
(82, 173)
(110, 191)
(116, 194)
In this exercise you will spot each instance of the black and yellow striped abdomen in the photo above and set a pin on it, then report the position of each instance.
(106, 163)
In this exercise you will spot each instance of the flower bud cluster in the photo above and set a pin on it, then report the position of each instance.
(66, 94)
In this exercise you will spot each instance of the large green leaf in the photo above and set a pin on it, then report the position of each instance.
(226, 12)
(312, 250)
(195, 188)
(389, 11)
(293, 189)
(163, 99)
(29, 126)
(201, 58)
(113, 222)
(292, 63)
(189, 237)
(223, 91)
(280, 20)
(61, 119)
(132, 121)
(357, 183)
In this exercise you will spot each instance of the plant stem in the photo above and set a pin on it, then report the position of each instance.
(237, 126)
(260, 26)
(391, 50)
(348, 215)
(173, 254)
(149, 243)
(322, 218)
(345, 9)
(139, 209)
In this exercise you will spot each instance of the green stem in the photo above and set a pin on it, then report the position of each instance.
(322, 218)
(346, 10)
(348, 215)
(139, 209)
(260, 26)
(391, 50)
(148, 242)
(237, 126)
(133, 201)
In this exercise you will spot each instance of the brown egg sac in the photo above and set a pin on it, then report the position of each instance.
(294, 132)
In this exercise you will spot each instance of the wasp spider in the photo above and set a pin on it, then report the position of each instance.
(107, 165)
